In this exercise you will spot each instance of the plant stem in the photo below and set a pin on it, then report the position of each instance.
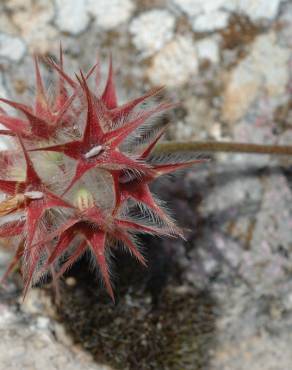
(213, 146)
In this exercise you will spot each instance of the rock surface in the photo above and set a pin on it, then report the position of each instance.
(35, 342)
(224, 294)
(264, 71)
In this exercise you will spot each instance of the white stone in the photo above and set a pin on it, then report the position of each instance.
(33, 21)
(208, 49)
(194, 8)
(271, 61)
(190, 7)
(42, 322)
(151, 30)
(182, 131)
(216, 131)
(208, 15)
(6, 24)
(26, 13)
(214, 5)
(72, 16)
(264, 69)
(110, 13)
(259, 9)
(11, 47)
(175, 64)
(28, 341)
(5, 142)
(3, 91)
(210, 21)
(241, 91)
(6, 316)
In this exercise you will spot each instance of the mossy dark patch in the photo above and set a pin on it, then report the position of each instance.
(176, 334)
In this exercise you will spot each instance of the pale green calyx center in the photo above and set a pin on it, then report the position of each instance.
(83, 199)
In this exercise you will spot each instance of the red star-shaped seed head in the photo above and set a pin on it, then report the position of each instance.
(100, 152)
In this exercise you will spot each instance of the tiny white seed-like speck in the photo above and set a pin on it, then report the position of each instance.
(93, 152)
(34, 195)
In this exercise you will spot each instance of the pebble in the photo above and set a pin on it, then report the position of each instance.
(71, 281)
(149, 34)
(264, 69)
(208, 48)
(259, 9)
(11, 47)
(34, 22)
(189, 7)
(5, 142)
(110, 14)
(72, 18)
(175, 64)
(210, 21)
(210, 15)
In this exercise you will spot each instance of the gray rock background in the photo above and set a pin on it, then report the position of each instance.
(229, 64)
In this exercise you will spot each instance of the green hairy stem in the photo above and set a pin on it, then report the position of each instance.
(213, 146)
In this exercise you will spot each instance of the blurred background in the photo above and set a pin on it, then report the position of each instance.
(228, 62)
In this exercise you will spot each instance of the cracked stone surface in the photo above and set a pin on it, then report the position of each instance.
(227, 297)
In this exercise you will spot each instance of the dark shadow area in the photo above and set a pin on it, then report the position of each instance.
(151, 326)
